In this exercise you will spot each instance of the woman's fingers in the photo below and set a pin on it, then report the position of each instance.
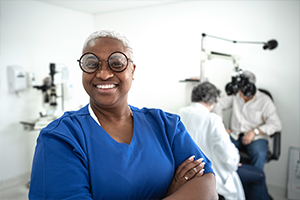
(201, 172)
(193, 169)
(189, 160)
(187, 166)
(187, 170)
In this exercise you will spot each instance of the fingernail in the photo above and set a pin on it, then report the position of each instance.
(199, 160)
(192, 157)
(202, 170)
(202, 164)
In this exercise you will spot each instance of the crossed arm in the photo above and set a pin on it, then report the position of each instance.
(189, 182)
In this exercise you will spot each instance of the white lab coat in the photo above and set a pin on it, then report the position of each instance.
(208, 131)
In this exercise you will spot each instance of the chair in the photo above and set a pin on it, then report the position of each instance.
(274, 143)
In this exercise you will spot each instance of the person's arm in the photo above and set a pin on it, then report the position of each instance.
(186, 171)
(203, 187)
(271, 120)
(59, 170)
(269, 125)
(200, 188)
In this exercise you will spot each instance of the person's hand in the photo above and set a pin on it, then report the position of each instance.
(228, 130)
(186, 171)
(248, 137)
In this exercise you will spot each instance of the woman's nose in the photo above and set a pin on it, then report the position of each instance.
(104, 72)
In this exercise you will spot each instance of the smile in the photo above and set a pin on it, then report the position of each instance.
(106, 86)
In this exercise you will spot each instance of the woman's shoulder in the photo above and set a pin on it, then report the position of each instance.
(70, 119)
(153, 112)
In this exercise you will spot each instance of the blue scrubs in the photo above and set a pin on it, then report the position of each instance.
(76, 159)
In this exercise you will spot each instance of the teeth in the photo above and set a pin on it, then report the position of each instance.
(105, 86)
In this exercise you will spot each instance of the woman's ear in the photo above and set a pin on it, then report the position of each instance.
(133, 69)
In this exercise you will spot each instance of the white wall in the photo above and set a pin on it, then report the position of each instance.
(33, 35)
(166, 41)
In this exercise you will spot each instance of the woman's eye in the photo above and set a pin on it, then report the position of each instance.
(91, 64)
(116, 65)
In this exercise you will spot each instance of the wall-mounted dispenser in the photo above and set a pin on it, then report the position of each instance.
(30, 79)
(16, 77)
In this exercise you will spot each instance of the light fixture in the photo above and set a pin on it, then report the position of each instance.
(271, 44)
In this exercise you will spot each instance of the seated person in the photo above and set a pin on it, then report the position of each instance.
(208, 131)
(253, 119)
(111, 150)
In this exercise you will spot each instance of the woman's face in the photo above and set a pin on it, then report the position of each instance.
(106, 87)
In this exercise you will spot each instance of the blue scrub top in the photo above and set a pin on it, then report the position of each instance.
(75, 158)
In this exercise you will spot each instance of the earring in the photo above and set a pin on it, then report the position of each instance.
(132, 78)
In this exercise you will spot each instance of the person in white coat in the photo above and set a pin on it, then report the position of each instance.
(208, 131)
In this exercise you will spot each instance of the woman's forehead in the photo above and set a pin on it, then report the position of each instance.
(99, 42)
(106, 44)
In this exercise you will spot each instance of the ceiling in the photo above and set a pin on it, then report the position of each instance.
(104, 6)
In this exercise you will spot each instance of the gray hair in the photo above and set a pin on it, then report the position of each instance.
(251, 77)
(205, 92)
(109, 34)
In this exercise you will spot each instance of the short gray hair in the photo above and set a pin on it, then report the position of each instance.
(110, 34)
(205, 92)
(251, 77)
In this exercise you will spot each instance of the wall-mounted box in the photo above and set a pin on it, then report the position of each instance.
(16, 77)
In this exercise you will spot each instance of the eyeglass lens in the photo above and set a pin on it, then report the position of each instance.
(116, 61)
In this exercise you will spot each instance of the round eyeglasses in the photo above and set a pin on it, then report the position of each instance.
(117, 62)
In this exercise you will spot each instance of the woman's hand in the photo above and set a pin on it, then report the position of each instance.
(186, 171)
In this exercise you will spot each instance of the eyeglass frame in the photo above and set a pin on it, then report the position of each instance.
(99, 61)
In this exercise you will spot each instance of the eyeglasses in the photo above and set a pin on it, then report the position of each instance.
(117, 62)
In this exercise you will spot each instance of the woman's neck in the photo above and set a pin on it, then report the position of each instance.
(112, 113)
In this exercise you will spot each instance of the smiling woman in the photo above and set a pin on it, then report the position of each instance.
(111, 150)
(104, 74)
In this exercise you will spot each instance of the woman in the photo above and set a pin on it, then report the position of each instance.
(112, 150)
(208, 131)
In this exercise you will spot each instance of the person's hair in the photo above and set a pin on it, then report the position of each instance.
(206, 93)
(251, 77)
(110, 34)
